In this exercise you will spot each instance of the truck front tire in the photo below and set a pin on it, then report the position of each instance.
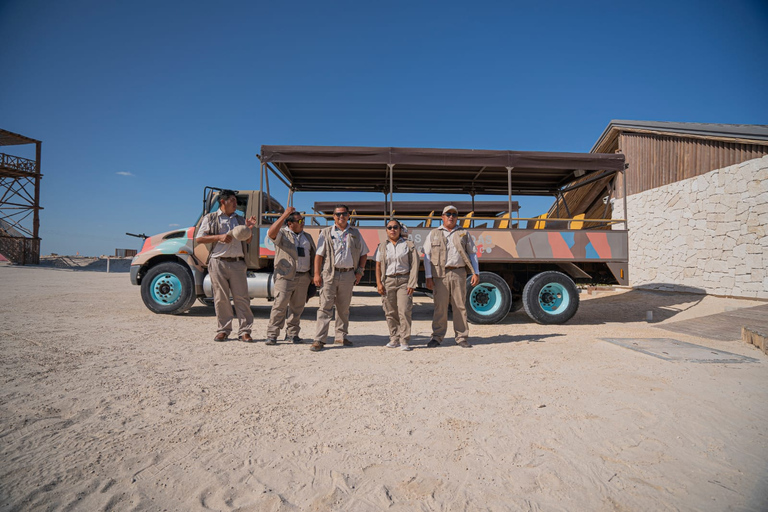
(490, 301)
(550, 298)
(168, 289)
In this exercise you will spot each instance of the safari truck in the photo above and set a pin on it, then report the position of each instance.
(532, 263)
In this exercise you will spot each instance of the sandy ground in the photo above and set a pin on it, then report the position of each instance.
(106, 406)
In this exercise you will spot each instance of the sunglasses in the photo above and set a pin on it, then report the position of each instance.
(300, 221)
(392, 228)
(451, 214)
(340, 214)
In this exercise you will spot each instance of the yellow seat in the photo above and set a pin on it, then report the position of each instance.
(428, 223)
(578, 221)
(467, 222)
(503, 222)
(539, 224)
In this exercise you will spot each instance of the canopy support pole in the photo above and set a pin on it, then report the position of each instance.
(391, 171)
(509, 196)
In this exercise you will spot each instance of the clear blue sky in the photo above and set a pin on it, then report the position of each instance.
(141, 104)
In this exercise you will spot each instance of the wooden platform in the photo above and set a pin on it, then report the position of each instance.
(723, 326)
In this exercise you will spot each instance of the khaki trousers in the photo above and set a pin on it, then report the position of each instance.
(228, 279)
(337, 292)
(290, 298)
(398, 308)
(451, 288)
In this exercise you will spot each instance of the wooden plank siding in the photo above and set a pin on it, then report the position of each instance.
(656, 160)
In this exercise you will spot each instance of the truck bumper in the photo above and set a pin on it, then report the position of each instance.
(135, 274)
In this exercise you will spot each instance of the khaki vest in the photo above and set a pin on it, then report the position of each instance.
(439, 250)
(213, 222)
(355, 245)
(413, 278)
(286, 256)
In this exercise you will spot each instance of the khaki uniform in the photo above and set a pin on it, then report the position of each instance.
(227, 268)
(397, 304)
(290, 286)
(450, 280)
(338, 282)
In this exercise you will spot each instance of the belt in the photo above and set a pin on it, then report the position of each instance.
(400, 275)
(454, 268)
(343, 269)
(305, 272)
(222, 258)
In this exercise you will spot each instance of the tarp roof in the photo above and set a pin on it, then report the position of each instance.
(423, 170)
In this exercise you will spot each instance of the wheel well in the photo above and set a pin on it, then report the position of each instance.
(518, 274)
(158, 260)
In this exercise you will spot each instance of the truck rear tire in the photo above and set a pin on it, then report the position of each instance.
(550, 298)
(490, 301)
(168, 289)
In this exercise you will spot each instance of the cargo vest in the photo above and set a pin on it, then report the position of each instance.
(413, 278)
(286, 255)
(213, 223)
(439, 249)
(355, 240)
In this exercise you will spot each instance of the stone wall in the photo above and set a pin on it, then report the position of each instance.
(707, 234)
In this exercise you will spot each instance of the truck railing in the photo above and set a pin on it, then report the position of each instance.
(555, 223)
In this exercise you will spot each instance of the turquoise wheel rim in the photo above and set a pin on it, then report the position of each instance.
(485, 299)
(554, 298)
(166, 288)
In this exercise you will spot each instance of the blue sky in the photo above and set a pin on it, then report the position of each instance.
(142, 104)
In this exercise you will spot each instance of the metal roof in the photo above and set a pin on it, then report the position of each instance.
(755, 133)
(481, 208)
(424, 170)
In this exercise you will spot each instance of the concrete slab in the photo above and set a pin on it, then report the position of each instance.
(674, 350)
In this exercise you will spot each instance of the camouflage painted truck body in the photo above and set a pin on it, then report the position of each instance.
(531, 268)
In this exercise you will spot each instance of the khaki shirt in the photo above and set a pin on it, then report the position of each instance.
(453, 258)
(398, 258)
(342, 250)
(233, 249)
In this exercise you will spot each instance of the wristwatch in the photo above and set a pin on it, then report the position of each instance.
(360, 270)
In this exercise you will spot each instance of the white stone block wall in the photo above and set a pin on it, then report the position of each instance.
(706, 234)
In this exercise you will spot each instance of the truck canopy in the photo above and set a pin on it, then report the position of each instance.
(424, 170)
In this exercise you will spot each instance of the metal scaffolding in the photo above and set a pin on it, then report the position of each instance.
(19, 201)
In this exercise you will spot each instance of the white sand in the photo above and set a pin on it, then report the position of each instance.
(105, 405)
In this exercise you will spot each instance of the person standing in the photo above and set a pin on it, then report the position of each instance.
(449, 255)
(339, 266)
(294, 257)
(227, 267)
(397, 274)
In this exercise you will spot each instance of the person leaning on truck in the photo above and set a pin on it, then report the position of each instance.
(449, 255)
(294, 256)
(397, 274)
(227, 267)
(339, 265)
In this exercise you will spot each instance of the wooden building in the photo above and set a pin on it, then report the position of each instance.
(660, 153)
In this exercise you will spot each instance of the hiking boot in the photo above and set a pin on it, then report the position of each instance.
(294, 339)
(345, 343)
(271, 341)
(317, 346)
(246, 337)
(405, 348)
(222, 336)
(464, 344)
(433, 343)
(393, 344)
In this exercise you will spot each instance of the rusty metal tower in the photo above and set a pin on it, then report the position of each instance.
(19, 200)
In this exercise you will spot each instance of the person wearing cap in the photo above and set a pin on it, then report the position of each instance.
(227, 267)
(449, 255)
(339, 266)
(397, 273)
(294, 257)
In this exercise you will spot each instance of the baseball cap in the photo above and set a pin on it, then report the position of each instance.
(450, 208)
